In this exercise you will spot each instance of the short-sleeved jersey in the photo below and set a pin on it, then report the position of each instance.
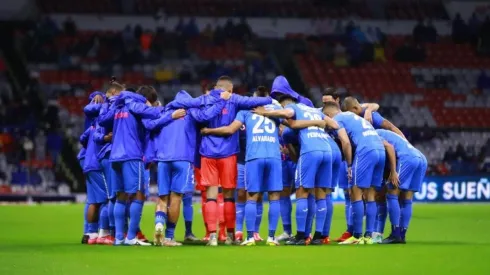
(377, 119)
(311, 138)
(360, 132)
(402, 146)
(262, 134)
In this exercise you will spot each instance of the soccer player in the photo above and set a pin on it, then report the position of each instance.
(175, 160)
(263, 168)
(331, 94)
(240, 187)
(219, 160)
(411, 168)
(314, 169)
(127, 153)
(367, 170)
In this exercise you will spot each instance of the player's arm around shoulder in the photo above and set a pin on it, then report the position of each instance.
(390, 151)
(223, 131)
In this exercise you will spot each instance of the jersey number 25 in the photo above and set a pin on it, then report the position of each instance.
(264, 123)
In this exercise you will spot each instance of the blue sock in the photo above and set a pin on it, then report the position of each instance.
(406, 214)
(126, 221)
(286, 209)
(170, 230)
(258, 219)
(250, 217)
(240, 215)
(328, 218)
(370, 218)
(85, 223)
(104, 217)
(160, 217)
(134, 218)
(301, 213)
(394, 211)
(120, 218)
(274, 212)
(110, 211)
(93, 227)
(348, 213)
(188, 212)
(321, 215)
(381, 217)
(357, 216)
(311, 214)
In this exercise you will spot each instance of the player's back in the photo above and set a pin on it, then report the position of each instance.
(360, 132)
(128, 132)
(311, 138)
(262, 134)
(177, 140)
(401, 145)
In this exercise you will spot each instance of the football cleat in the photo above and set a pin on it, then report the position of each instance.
(326, 240)
(109, 240)
(316, 242)
(351, 240)
(213, 241)
(136, 242)
(158, 237)
(171, 242)
(191, 238)
(296, 241)
(346, 235)
(377, 237)
(248, 242)
(392, 240)
(230, 238)
(366, 240)
(271, 241)
(92, 241)
(142, 237)
(283, 237)
(118, 242)
(85, 239)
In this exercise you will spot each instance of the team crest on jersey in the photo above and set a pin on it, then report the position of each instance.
(224, 111)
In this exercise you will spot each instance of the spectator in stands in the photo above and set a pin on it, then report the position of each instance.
(419, 32)
(243, 30)
(410, 53)
(138, 31)
(164, 74)
(179, 28)
(191, 29)
(229, 29)
(474, 26)
(379, 53)
(371, 35)
(208, 33)
(54, 143)
(484, 37)
(69, 27)
(40, 145)
(219, 36)
(381, 36)
(145, 43)
(5, 89)
(128, 35)
(459, 30)
(483, 81)
(431, 32)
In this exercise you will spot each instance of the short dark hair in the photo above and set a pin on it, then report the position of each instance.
(262, 91)
(331, 91)
(348, 103)
(148, 92)
(131, 89)
(225, 78)
(283, 97)
(330, 104)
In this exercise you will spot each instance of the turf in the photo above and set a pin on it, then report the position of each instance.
(443, 239)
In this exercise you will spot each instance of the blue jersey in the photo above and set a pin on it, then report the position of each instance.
(290, 136)
(377, 119)
(262, 134)
(360, 132)
(311, 138)
(243, 145)
(402, 146)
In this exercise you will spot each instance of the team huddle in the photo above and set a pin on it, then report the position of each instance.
(235, 149)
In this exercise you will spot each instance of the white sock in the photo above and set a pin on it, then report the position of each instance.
(104, 232)
(92, 235)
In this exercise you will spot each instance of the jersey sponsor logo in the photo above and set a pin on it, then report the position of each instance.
(224, 111)
(121, 115)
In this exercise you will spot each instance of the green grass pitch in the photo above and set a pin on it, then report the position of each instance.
(443, 239)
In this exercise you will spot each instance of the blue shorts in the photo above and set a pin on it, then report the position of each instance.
(146, 176)
(174, 176)
(314, 170)
(368, 168)
(97, 190)
(110, 176)
(343, 181)
(411, 171)
(288, 170)
(263, 175)
(240, 180)
(336, 164)
(129, 176)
